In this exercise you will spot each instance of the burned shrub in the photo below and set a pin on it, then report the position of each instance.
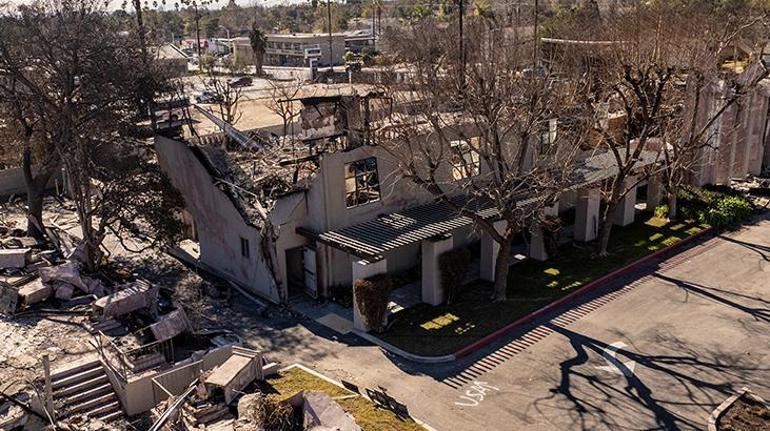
(372, 296)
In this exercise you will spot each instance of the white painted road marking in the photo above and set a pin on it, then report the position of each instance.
(475, 394)
(610, 356)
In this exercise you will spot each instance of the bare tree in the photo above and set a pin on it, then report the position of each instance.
(226, 97)
(642, 58)
(705, 90)
(283, 102)
(82, 77)
(488, 134)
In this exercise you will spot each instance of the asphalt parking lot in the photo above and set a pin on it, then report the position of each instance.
(661, 353)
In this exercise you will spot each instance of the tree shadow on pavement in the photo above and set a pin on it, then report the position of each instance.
(762, 250)
(757, 313)
(692, 379)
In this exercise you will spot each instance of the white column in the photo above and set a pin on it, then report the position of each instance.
(489, 250)
(654, 192)
(537, 249)
(626, 209)
(432, 291)
(362, 270)
(587, 214)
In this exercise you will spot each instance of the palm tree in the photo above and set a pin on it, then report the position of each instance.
(258, 43)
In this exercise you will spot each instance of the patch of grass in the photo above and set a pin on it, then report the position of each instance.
(367, 415)
(531, 285)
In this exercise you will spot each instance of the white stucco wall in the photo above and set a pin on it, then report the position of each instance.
(220, 225)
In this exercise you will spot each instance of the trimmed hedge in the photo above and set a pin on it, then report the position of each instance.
(372, 296)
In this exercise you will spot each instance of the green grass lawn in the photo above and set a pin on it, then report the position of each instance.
(441, 330)
(368, 416)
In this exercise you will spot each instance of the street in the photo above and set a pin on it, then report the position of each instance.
(655, 351)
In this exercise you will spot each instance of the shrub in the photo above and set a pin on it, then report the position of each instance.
(453, 265)
(661, 211)
(372, 297)
(726, 210)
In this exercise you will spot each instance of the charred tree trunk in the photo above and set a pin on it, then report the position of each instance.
(605, 229)
(501, 271)
(35, 186)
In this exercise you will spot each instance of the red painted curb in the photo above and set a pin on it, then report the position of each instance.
(599, 282)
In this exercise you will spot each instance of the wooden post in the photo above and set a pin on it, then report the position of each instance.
(48, 388)
(260, 371)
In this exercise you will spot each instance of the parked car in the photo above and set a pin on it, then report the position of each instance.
(207, 97)
(242, 81)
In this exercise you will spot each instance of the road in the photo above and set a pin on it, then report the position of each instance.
(657, 350)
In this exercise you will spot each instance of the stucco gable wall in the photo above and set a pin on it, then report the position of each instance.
(220, 225)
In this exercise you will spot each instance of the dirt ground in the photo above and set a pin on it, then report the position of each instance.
(27, 338)
(745, 415)
(254, 113)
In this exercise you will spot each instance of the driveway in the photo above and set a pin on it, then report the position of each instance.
(654, 351)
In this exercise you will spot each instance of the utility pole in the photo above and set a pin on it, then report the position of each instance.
(537, 41)
(331, 44)
(462, 42)
(197, 33)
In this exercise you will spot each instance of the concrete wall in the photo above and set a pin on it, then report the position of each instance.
(289, 73)
(12, 182)
(139, 395)
(220, 225)
(328, 209)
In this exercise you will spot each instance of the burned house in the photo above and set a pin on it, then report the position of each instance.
(256, 212)
(328, 208)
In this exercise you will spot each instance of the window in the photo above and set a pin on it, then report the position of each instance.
(245, 248)
(465, 160)
(362, 184)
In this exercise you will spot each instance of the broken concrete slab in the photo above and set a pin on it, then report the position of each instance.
(9, 299)
(170, 325)
(237, 372)
(134, 296)
(34, 292)
(63, 291)
(66, 273)
(321, 412)
(13, 257)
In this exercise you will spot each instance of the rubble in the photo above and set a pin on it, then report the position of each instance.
(68, 273)
(34, 292)
(133, 296)
(13, 416)
(9, 298)
(14, 257)
(170, 325)
(321, 412)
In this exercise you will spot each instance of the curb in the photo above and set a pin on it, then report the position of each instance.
(404, 354)
(594, 285)
(720, 410)
(494, 336)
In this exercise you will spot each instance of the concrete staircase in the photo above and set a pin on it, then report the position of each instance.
(82, 388)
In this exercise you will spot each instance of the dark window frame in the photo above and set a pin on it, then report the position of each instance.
(245, 248)
(362, 182)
